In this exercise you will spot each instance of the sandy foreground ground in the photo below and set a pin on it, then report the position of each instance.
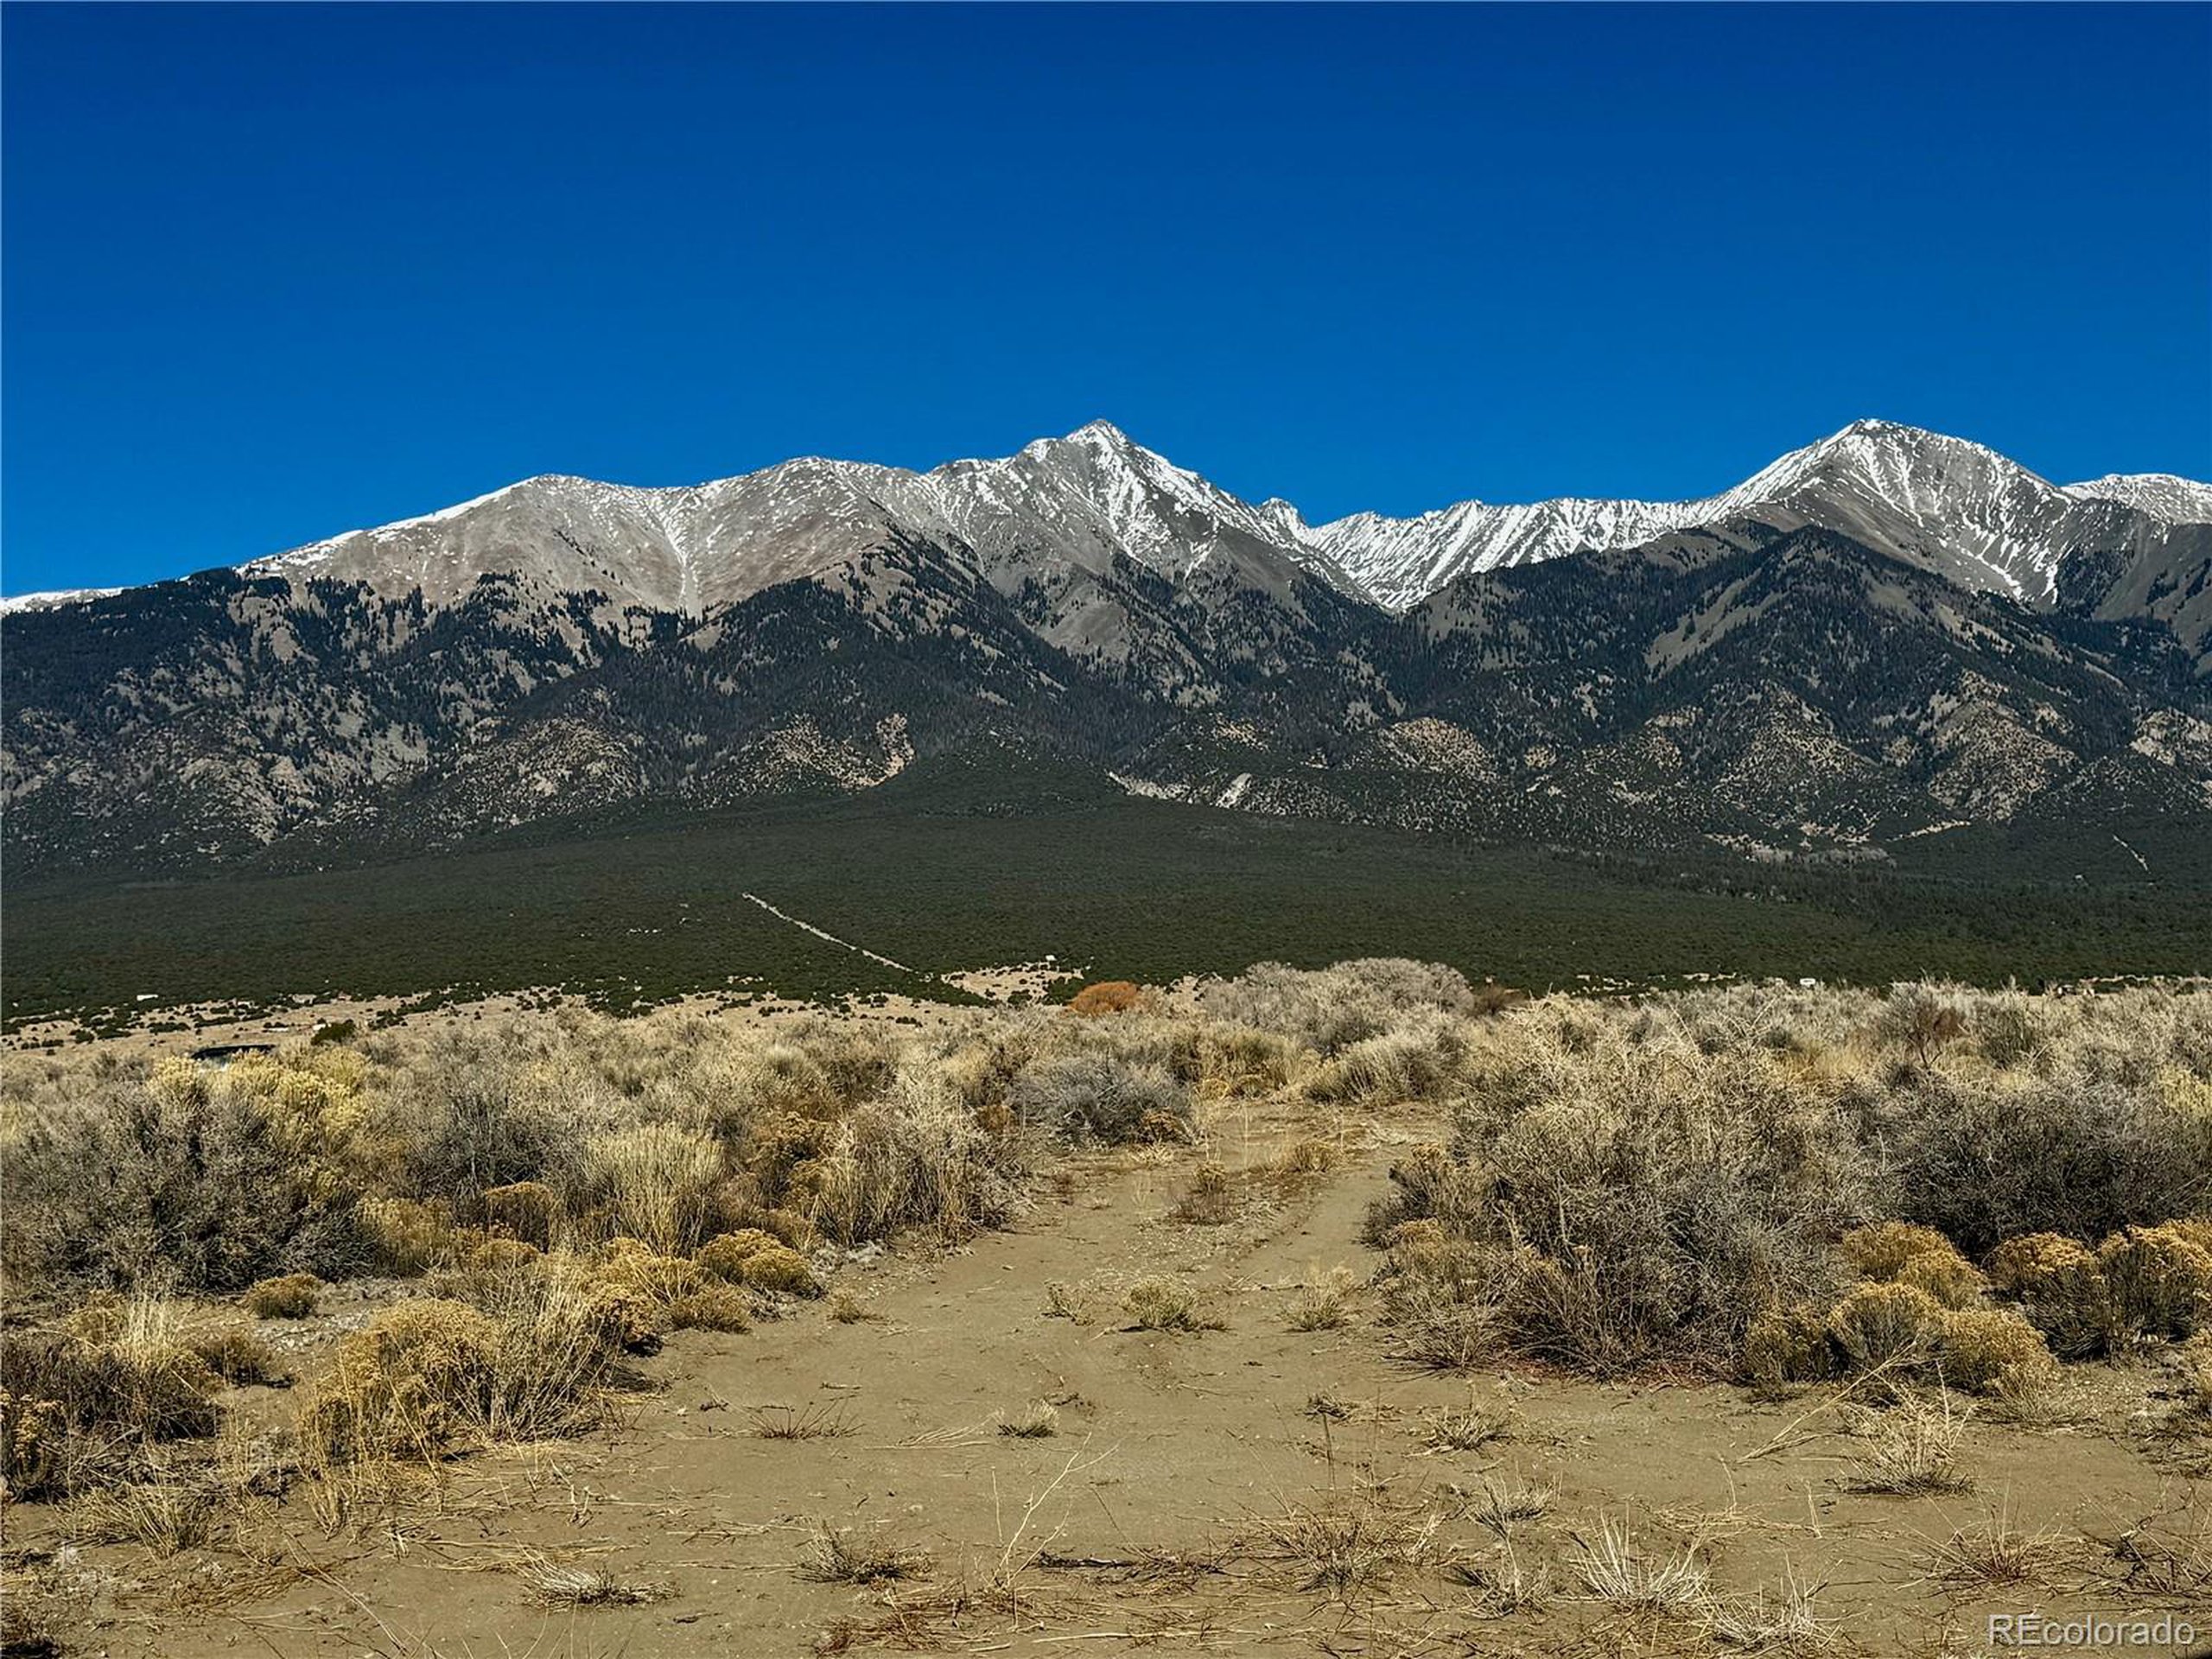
(1251, 1489)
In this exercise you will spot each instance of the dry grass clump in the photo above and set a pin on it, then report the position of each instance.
(834, 1556)
(1343, 1548)
(553, 1584)
(1912, 1450)
(1324, 1301)
(76, 1411)
(1790, 1623)
(163, 1516)
(1168, 1305)
(653, 1181)
(1304, 1161)
(1038, 1421)
(1464, 1429)
(1614, 1570)
(2168, 1557)
(431, 1377)
(814, 1421)
(1996, 1556)
(1502, 1508)
(1211, 1200)
(291, 1297)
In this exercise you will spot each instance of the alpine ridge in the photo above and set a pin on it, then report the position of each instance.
(1960, 508)
(1883, 644)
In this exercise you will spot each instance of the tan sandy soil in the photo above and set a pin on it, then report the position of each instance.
(1146, 1520)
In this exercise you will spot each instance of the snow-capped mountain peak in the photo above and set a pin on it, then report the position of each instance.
(2161, 495)
(1079, 502)
(1953, 506)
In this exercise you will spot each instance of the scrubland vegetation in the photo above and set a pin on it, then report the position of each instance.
(1933, 1200)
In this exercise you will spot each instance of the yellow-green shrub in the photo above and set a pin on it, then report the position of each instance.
(712, 1307)
(2160, 1279)
(1877, 1324)
(407, 1238)
(1789, 1343)
(1980, 1349)
(1946, 1276)
(499, 1255)
(750, 1256)
(524, 1209)
(726, 1254)
(636, 1266)
(2060, 1289)
(1886, 1248)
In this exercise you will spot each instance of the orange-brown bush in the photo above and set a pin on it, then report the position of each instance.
(1107, 996)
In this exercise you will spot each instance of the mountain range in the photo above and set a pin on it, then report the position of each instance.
(1887, 646)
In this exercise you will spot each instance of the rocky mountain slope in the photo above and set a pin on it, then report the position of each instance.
(1956, 508)
(1885, 640)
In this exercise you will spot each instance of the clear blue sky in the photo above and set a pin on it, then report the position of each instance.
(271, 274)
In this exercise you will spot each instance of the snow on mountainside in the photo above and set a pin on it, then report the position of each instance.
(1952, 506)
(1068, 504)
(2164, 496)
(1058, 513)
(57, 596)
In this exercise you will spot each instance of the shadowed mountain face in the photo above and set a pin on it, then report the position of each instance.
(1885, 640)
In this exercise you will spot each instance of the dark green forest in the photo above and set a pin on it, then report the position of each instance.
(955, 867)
